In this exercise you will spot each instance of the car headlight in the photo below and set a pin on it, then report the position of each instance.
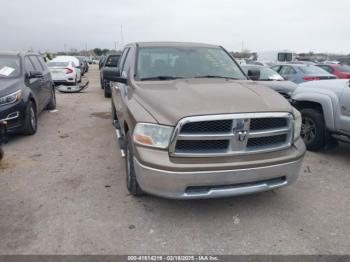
(297, 123)
(152, 135)
(11, 98)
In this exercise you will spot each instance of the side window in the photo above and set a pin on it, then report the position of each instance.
(36, 63)
(28, 65)
(327, 68)
(122, 59)
(42, 63)
(287, 70)
(284, 70)
(292, 71)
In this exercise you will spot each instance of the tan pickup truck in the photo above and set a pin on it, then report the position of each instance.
(192, 125)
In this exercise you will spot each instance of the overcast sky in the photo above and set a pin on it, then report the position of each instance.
(262, 25)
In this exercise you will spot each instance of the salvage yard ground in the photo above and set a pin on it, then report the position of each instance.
(63, 191)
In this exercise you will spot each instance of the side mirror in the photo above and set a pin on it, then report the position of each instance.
(254, 74)
(35, 74)
(113, 75)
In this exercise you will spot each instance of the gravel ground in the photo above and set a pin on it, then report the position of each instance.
(63, 191)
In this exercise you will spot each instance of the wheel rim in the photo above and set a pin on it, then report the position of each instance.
(308, 129)
(32, 118)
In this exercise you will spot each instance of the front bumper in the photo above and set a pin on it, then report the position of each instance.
(211, 183)
(13, 114)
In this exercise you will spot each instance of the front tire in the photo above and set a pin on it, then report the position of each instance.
(131, 181)
(30, 119)
(313, 129)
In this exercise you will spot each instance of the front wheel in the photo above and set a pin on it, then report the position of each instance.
(30, 119)
(131, 181)
(313, 129)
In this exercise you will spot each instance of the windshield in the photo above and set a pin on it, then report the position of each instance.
(57, 64)
(312, 70)
(344, 69)
(265, 73)
(10, 66)
(185, 62)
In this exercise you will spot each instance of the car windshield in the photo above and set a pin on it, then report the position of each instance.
(312, 70)
(113, 61)
(57, 64)
(10, 66)
(185, 62)
(266, 74)
(344, 68)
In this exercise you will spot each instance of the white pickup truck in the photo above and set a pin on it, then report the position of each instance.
(325, 109)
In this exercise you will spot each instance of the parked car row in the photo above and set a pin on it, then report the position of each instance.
(68, 70)
(65, 70)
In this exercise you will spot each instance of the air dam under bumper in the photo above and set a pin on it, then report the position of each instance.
(212, 184)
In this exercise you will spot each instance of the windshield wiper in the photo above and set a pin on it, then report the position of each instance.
(160, 78)
(214, 76)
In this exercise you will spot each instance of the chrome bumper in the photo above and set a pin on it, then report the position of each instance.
(212, 184)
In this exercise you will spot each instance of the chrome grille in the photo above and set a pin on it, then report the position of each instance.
(267, 123)
(207, 126)
(233, 134)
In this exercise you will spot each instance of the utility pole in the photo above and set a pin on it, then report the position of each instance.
(115, 45)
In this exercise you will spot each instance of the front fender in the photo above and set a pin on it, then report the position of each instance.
(328, 103)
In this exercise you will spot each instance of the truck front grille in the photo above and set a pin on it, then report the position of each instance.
(233, 134)
(207, 126)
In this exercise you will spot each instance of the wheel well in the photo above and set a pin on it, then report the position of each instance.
(307, 104)
(31, 99)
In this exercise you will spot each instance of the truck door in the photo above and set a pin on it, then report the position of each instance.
(343, 123)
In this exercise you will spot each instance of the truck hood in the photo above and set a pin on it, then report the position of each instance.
(170, 101)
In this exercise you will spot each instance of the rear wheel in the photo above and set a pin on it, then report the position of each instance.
(131, 181)
(313, 129)
(30, 119)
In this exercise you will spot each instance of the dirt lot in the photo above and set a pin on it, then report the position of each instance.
(63, 191)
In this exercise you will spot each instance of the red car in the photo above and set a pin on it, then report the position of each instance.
(341, 71)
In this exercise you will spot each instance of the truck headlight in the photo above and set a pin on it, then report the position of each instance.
(11, 98)
(152, 135)
(297, 123)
